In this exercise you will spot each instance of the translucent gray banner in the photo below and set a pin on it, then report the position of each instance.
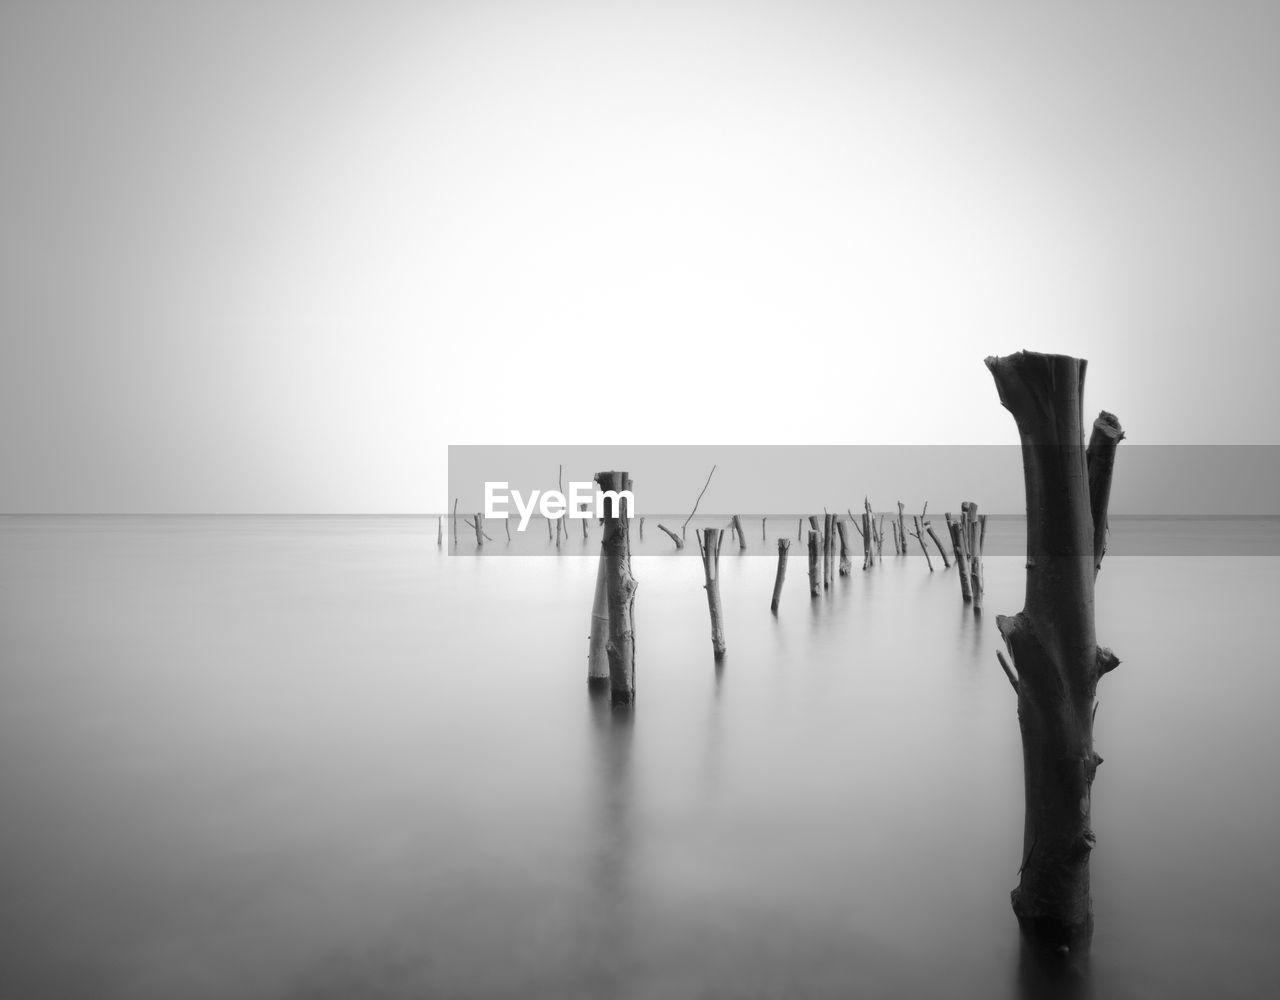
(1165, 499)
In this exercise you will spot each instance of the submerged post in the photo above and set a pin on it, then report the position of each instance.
(736, 525)
(784, 547)
(1052, 643)
(828, 550)
(709, 545)
(621, 586)
(973, 534)
(598, 651)
(479, 526)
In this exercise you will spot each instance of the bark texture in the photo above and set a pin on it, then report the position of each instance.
(709, 545)
(621, 586)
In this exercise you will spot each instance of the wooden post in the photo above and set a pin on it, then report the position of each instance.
(479, 526)
(784, 547)
(973, 533)
(962, 557)
(815, 571)
(828, 550)
(598, 651)
(616, 546)
(764, 536)
(902, 528)
(869, 520)
(642, 529)
(846, 566)
(800, 530)
(439, 530)
(709, 545)
(672, 535)
(736, 525)
(1052, 643)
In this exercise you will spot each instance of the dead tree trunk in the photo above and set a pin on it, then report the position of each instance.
(846, 565)
(815, 555)
(800, 530)
(962, 558)
(598, 649)
(454, 525)
(672, 535)
(764, 536)
(616, 545)
(1057, 661)
(868, 559)
(880, 539)
(709, 545)
(869, 524)
(506, 523)
(736, 525)
(784, 547)
(642, 529)
(897, 542)
(902, 528)
(479, 526)
(439, 530)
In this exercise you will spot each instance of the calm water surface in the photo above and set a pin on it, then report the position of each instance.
(296, 758)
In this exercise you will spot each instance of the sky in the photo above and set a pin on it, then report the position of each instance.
(278, 257)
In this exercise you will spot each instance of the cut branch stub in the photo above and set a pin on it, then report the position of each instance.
(1100, 458)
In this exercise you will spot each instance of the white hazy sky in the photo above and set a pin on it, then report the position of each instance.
(272, 256)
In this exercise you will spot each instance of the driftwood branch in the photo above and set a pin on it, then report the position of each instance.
(698, 501)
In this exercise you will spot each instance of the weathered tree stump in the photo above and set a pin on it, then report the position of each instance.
(846, 565)
(973, 528)
(962, 557)
(764, 537)
(784, 547)
(868, 534)
(642, 529)
(902, 528)
(479, 526)
(439, 530)
(815, 568)
(709, 545)
(616, 546)
(598, 649)
(736, 525)
(800, 530)
(1056, 659)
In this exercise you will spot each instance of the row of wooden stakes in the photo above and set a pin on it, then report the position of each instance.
(967, 533)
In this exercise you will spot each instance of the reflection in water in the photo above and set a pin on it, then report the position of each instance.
(609, 932)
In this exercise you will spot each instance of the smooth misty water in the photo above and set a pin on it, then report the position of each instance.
(295, 758)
